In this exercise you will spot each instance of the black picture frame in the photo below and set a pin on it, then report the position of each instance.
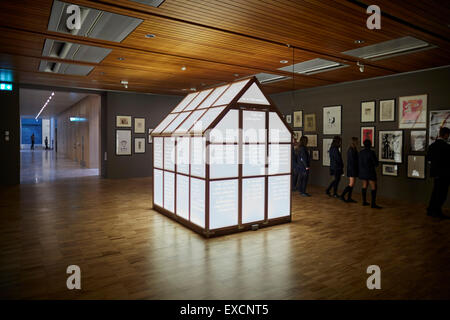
(395, 109)
(389, 164)
(424, 167)
(374, 111)
(340, 120)
(131, 144)
(374, 144)
(380, 144)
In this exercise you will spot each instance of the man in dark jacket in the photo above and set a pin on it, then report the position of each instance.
(438, 155)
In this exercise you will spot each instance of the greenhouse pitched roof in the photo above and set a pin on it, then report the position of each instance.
(198, 110)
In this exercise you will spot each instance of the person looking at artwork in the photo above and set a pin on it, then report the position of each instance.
(367, 164)
(438, 155)
(352, 170)
(336, 166)
(303, 161)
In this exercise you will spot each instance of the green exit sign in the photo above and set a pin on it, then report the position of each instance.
(6, 86)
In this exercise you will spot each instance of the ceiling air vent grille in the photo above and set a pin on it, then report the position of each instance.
(74, 51)
(391, 48)
(266, 78)
(152, 3)
(64, 68)
(314, 66)
(94, 23)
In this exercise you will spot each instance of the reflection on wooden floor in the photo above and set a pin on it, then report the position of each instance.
(125, 250)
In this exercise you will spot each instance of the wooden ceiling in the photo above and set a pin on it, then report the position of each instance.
(219, 41)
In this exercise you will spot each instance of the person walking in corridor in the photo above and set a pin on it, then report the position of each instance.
(32, 141)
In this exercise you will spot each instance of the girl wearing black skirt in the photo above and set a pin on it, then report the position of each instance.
(336, 166)
(352, 170)
(367, 163)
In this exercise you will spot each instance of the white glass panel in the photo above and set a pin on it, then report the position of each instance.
(198, 153)
(183, 155)
(183, 196)
(223, 208)
(254, 159)
(227, 130)
(254, 126)
(158, 187)
(277, 130)
(252, 200)
(253, 95)
(212, 97)
(169, 192)
(206, 119)
(169, 153)
(279, 193)
(175, 123)
(185, 102)
(158, 152)
(223, 161)
(163, 124)
(198, 99)
(231, 92)
(190, 121)
(198, 202)
(279, 158)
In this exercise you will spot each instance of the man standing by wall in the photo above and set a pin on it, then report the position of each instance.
(439, 156)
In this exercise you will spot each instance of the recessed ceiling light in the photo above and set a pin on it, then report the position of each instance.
(149, 36)
(120, 58)
(359, 41)
(284, 61)
(183, 68)
(184, 89)
(193, 89)
(236, 74)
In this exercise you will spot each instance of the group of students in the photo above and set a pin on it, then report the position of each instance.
(359, 165)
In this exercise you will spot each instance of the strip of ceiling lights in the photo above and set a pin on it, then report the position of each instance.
(45, 105)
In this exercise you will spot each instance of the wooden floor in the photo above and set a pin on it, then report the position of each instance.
(127, 251)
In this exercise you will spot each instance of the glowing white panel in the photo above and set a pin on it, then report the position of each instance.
(169, 153)
(183, 155)
(252, 199)
(223, 161)
(185, 102)
(212, 97)
(277, 130)
(183, 196)
(169, 191)
(199, 98)
(206, 119)
(223, 204)
(254, 126)
(279, 194)
(158, 187)
(231, 92)
(198, 202)
(279, 158)
(163, 124)
(254, 159)
(227, 130)
(189, 121)
(198, 153)
(175, 123)
(158, 152)
(253, 95)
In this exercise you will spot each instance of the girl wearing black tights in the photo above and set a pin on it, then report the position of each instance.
(352, 170)
(367, 163)
(336, 166)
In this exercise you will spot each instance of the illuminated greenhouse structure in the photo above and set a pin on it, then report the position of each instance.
(222, 161)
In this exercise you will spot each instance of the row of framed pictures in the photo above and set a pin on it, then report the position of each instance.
(123, 136)
(125, 122)
(416, 167)
(310, 121)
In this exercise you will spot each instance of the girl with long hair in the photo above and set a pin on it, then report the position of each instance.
(336, 166)
(352, 169)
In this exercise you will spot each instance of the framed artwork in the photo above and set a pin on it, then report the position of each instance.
(368, 111)
(412, 112)
(123, 142)
(387, 110)
(298, 119)
(332, 120)
(438, 119)
(289, 118)
(150, 138)
(389, 170)
(139, 125)
(368, 133)
(297, 135)
(326, 156)
(310, 122)
(418, 141)
(315, 155)
(416, 167)
(390, 146)
(312, 140)
(139, 145)
(123, 121)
